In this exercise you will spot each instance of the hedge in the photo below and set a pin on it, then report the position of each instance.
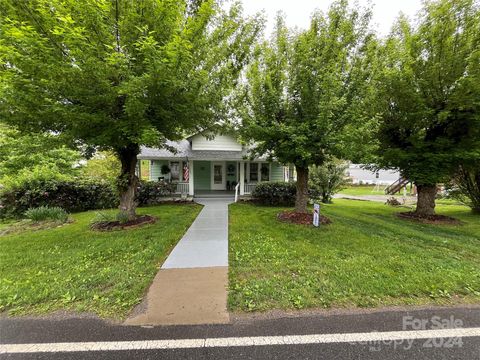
(72, 196)
(152, 193)
(275, 193)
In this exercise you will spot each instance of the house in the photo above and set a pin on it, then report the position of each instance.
(359, 175)
(202, 165)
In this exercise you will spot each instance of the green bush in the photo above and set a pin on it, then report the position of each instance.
(102, 217)
(73, 196)
(465, 187)
(275, 193)
(43, 213)
(153, 193)
(326, 180)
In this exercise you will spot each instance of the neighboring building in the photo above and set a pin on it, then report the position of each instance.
(201, 166)
(358, 175)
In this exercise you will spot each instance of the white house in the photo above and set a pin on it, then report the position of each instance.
(359, 175)
(202, 166)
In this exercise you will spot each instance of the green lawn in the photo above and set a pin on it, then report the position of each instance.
(366, 258)
(358, 190)
(74, 268)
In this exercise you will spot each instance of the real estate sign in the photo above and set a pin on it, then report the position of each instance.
(316, 214)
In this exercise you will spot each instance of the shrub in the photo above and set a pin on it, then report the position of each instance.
(465, 187)
(73, 196)
(325, 181)
(275, 193)
(101, 217)
(152, 193)
(43, 213)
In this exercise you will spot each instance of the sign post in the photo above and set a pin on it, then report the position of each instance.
(316, 215)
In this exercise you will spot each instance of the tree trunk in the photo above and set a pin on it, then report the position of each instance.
(301, 199)
(128, 181)
(426, 200)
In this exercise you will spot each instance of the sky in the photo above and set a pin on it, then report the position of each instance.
(298, 11)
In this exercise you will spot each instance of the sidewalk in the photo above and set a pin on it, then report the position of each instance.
(205, 244)
(191, 286)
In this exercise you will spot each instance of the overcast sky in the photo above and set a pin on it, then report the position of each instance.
(298, 11)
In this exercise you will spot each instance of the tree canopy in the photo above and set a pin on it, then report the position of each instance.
(22, 155)
(429, 96)
(305, 91)
(118, 74)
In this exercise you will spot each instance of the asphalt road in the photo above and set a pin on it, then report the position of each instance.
(47, 331)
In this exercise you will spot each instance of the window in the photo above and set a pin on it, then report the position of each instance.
(265, 172)
(217, 174)
(253, 172)
(175, 171)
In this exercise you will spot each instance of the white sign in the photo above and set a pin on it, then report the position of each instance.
(316, 214)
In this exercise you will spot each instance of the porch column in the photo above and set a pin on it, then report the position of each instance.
(242, 177)
(190, 178)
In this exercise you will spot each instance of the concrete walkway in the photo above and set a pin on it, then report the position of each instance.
(205, 244)
(191, 286)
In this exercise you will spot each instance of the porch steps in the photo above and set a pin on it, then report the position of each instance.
(214, 195)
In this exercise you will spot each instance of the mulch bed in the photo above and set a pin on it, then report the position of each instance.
(301, 218)
(431, 219)
(116, 225)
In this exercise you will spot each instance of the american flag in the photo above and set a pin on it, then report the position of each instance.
(186, 173)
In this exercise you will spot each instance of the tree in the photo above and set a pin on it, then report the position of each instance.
(29, 153)
(429, 96)
(465, 186)
(304, 91)
(103, 166)
(326, 180)
(117, 74)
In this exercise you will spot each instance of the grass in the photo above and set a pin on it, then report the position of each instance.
(366, 258)
(358, 190)
(5, 223)
(74, 268)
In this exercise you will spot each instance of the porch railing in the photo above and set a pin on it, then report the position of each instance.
(248, 188)
(182, 188)
(237, 189)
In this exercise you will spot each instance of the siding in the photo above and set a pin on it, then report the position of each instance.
(155, 172)
(201, 175)
(220, 142)
(276, 172)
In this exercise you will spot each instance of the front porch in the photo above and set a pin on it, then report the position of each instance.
(212, 178)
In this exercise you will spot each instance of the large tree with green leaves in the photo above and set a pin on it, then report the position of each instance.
(305, 91)
(429, 96)
(117, 74)
(30, 153)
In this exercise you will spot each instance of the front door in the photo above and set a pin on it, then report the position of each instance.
(218, 176)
